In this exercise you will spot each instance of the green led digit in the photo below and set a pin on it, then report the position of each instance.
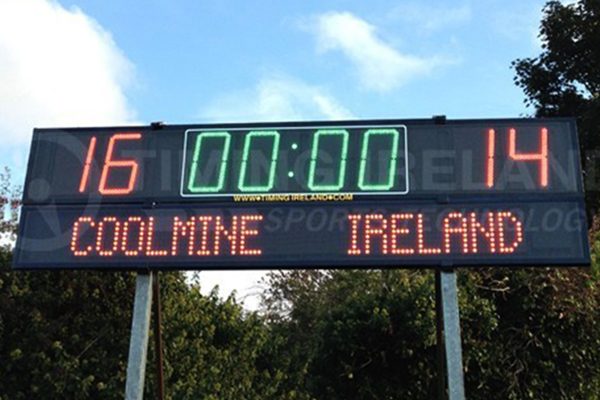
(314, 155)
(364, 159)
(192, 186)
(273, 157)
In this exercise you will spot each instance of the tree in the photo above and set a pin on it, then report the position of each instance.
(564, 80)
(10, 200)
(371, 334)
(65, 334)
(214, 349)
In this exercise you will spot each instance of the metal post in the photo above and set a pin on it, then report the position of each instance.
(138, 346)
(158, 345)
(448, 297)
(439, 325)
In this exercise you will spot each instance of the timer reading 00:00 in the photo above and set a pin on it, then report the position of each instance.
(221, 162)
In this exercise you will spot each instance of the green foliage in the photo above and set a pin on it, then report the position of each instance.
(356, 334)
(546, 335)
(213, 348)
(10, 196)
(371, 334)
(564, 81)
(63, 334)
(548, 320)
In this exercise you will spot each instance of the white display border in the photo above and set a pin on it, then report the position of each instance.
(213, 129)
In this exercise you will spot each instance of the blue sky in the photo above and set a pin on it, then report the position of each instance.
(94, 62)
(193, 56)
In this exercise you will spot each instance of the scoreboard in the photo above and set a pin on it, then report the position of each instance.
(391, 193)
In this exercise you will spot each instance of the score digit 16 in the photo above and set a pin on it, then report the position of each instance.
(541, 156)
(110, 163)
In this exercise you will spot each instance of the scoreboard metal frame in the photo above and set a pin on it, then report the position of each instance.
(464, 224)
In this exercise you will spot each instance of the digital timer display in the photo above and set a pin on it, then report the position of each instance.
(401, 193)
(358, 160)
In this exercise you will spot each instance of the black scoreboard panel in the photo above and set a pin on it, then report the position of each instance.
(214, 163)
(388, 234)
(364, 193)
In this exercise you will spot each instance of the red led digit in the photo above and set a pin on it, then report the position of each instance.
(86, 166)
(109, 163)
(542, 156)
(491, 144)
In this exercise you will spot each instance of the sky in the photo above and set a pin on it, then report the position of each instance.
(95, 63)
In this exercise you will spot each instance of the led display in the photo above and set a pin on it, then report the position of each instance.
(388, 193)
(330, 235)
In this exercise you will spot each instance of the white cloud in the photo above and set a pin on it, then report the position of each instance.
(380, 67)
(246, 284)
(58, 67)
(428, 18)
(519, 23)
(276, 98)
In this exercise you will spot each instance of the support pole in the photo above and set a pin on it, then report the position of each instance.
(138, 345)
(439, 325)
(451, 368)
(158, 345)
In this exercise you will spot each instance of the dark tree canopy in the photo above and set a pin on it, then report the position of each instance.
(356, 334)
(564, 80)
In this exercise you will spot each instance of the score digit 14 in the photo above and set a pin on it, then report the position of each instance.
(110, 163)
(541, 156)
